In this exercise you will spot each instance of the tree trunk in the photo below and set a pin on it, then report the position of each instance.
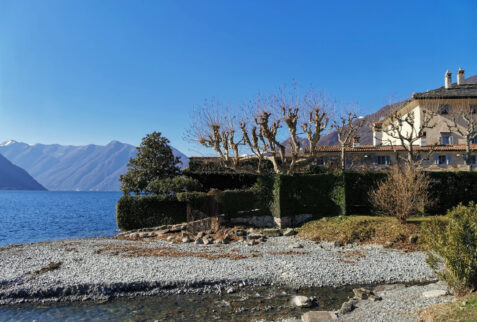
(343, 161)
(468, 155)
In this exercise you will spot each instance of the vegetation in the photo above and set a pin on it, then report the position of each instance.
(386, 231)
(154, 160)
(463, 309)
(134, 212)
(168, 186)
(404, 193)
(455, 245)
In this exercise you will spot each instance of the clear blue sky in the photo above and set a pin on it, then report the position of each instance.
(78, 72)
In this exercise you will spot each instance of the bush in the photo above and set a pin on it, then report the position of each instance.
(134, 212)
(174, 185)
(233, 201)
(320, 194)
(403, 193)
(455, 245)
(357, 188)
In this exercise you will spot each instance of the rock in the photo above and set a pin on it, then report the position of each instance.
(206, 240)
(271, 232)
(413, 239)
(142, 235)
(219, 241)
(134, 235)
(296, 245)
(255, 236)
(171, 238)
(240, 232)
(362, 293)
(200, 234)
(289, 232)
(151, 234)
(388, 244)
(186, 239)
(199, 241)
(318, 316)
(252, 242)
(230, 290)
(434, 293)
(347, 307)
(375, 298)
(302, 301)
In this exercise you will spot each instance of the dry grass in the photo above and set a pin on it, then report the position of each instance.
(453, 312)
(366, 230)
(134, 251)
(50, 267)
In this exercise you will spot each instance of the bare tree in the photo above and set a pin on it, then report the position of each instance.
(260, 132)
(346, 125)
(407, 128)
(464, 122)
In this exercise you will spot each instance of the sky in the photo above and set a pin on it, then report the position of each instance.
(81, 72)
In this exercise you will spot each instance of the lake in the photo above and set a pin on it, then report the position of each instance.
(32, 216)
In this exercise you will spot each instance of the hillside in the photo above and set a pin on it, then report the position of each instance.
(82, 168)
(13, 177)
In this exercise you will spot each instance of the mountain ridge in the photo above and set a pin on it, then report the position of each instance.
(67, 167)
(12, 177)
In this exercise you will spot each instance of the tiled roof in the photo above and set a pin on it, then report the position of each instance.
(389, 148)
(455, 91)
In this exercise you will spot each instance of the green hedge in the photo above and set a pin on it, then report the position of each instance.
(233, 201)
(357, 188)
(319, 194)
(134, 212)
(224, 181)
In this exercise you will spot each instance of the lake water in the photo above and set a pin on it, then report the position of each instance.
(31, 216)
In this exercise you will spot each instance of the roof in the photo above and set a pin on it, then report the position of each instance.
(389, 148)
(454, 91)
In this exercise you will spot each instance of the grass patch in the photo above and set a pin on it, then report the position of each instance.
(367, 230)
(463, 309)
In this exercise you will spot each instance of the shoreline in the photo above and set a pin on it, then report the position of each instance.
(101, 268)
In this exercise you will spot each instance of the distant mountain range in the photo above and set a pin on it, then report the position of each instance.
(13, 177)
(81, 168)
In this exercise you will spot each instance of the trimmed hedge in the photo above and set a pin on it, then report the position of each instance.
(134, 212)
(233, 201)
(224, 181)
(357, 188)
(448, 189)
(321, 195)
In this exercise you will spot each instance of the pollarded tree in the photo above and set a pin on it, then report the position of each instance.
(154, 160)
(260, 132)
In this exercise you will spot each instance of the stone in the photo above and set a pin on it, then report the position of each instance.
(255, 236)
(200, 234)
(199, 241)
(388, 244)
(434, 293)
(219, 241)
(271, 232)
(318, 316)
(375, 298)
(347, 307)
(289, 232)
(230, 290)
(206, 240)
(171, 238)
(413, 239)
(186, 239)
(302, 301)
(362, 293)
(240, 232)
(252, 242)
(142, 235)
(296, 245)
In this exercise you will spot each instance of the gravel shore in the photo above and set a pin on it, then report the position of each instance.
(97, 269)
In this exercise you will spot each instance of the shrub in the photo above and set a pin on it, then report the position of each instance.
(263, 190)
(455, 245)
(233, 201)
(174, 185)
(134, 212)
(403, 193)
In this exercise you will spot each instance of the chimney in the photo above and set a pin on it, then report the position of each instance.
(356, 142)
(378, 133)
(448, 79)
(460, 76)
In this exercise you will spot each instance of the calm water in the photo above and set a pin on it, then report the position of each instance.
(31, 216)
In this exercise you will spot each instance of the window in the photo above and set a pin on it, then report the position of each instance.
(444, 109)
(473, 159)
(382, 160)
(442, 159)
(474, 140)
(473, 109)
(321, 160)
(446, 139)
